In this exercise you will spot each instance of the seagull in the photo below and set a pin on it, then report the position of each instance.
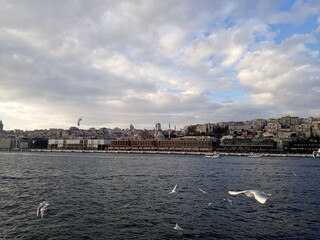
(41, 208)
(203, 191)
(177, 227)
(209, 204)
(79, 120)
(173, 190)
(261, 197)
(228, 200)
(127, 205)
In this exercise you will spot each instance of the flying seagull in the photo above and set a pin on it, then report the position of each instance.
(173, 190)
(41, 208)
(177, 227)
(127, 205)
(203, 191)
(228, 200)
(261, 197)
(79, 120)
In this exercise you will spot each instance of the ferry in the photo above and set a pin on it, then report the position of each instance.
(255, 155)
(213, 155)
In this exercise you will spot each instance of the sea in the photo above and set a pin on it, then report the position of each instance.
(125, 196)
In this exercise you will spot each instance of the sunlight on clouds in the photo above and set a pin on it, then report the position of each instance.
(193, 61)
(226, 46)
(33, 116)
(234, 53)
(263, 99)
(117, 64)
(170, 41)
(115, 103)
(269, 69)
(263, 70)
(32, 38)
(23, 59)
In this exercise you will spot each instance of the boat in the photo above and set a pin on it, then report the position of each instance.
(316, 153)
(213, 155)
(255, 155)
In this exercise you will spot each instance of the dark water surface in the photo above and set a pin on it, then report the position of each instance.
(125, 196)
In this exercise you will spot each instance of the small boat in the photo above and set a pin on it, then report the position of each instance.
(255, 155)
(213, 155)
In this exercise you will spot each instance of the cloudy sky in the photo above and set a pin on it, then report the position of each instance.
(117, 63)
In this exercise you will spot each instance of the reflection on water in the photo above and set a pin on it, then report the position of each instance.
(125, 196)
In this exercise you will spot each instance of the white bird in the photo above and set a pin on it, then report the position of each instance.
(173, 190)
(294, 174)
(209, 204)
(41, 208)
(203, 191)
(228, 200)
(79, 120)
(261, 197)
(177, 227)
(127, 205)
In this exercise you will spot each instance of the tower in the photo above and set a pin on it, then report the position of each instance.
(1, 129)
(158, 132)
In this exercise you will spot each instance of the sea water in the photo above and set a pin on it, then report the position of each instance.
(125, 196)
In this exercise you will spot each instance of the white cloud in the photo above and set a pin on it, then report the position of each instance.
(141, 62)
(318, 22)
(298, 13)
(282, 76)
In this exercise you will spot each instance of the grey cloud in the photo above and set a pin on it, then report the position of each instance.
(103, 59)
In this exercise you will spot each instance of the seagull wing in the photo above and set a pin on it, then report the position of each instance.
(174, 189)
(261, 197)
(42, 212)
(41, 208)
(177, 227)
(38, 210)
(236, 192)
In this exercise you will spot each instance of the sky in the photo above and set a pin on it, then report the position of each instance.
(114, 63)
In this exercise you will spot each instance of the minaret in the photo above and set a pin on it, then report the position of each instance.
(169, 130)
(1, 127)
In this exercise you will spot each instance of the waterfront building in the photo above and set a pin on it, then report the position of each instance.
(97, 144)
(240, 144)
(5, 144)
(184, 144)
(78, 144)
(305, 146)
(56, 144)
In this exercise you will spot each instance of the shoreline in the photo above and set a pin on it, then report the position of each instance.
(173, 152)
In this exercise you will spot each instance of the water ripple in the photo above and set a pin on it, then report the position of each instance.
(123, 196)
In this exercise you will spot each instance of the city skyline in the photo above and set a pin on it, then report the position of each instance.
(291, 120)
(116, 63)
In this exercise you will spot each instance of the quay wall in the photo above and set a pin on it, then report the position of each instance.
(172, 152)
